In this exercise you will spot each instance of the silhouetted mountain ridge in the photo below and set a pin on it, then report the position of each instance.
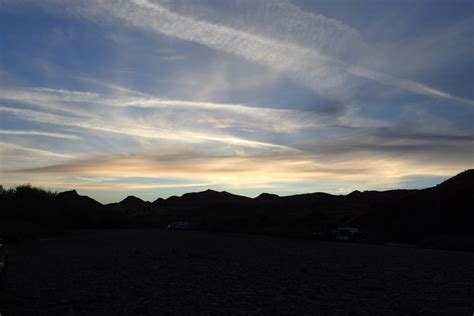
(394, 215)
(204, 199)
(267, 197)
(132, 206)
(72, 198)
(443, 210)
(462, 181)
(130, 202)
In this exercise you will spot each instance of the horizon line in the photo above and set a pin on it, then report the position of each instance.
(240, 195)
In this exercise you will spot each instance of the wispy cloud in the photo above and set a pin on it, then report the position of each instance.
(37, 133)
(114, 87)
(137, 130)
(47, 153)
(222, 114)
(51, 99)
(312, 65)
(407, 85)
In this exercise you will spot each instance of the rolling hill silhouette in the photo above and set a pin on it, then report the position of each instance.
(395, 215)
(443, 210)
(131, 206)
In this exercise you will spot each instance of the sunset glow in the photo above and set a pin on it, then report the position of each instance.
(159, 98)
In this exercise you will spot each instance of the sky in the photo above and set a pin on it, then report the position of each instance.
(157, 98)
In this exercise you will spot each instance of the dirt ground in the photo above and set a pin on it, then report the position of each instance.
(160, 272)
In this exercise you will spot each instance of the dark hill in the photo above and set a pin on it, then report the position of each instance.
(74, 200)
(26, 205)
(443, 210)
(80, 211)
(130, 202)
(267, 197)
(132, 206)
(396, 215)
(462, 182)
(205, 199)
(159, 202)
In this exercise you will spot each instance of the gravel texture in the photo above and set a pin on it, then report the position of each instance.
(151, 271)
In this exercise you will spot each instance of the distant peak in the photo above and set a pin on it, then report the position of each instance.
(465, 173)
(131, 198)
(267, 196)
(465, 178)
(132, 201)
(216, 193)
(69, 193)
(206, 192)
(159, 200)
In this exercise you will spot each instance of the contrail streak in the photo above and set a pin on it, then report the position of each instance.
(42, 152)
(37, 133)
(311, 67)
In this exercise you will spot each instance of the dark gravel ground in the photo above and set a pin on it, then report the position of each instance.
(160, 272)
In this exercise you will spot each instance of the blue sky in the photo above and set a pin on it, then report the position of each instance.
(158, 98)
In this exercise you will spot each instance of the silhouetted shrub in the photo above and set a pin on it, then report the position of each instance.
(26, 192)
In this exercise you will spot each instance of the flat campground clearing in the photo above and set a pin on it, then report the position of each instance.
(152, 271)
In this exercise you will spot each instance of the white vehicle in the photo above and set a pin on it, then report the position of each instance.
(346, 234)
(3, 264)
(178, 226)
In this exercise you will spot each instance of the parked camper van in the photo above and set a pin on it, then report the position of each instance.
(178, 226)
(346, 234)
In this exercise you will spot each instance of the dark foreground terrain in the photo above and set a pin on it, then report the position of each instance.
(153, 271)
